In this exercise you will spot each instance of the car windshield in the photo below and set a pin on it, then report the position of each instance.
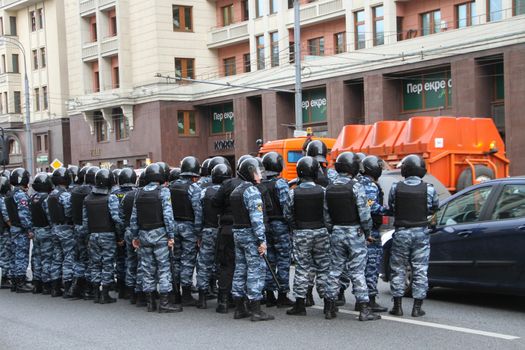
(294, 156)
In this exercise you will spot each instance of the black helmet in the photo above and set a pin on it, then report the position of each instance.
(61, 177)
(142, 178)
(413, 165)
(216, 161)
(6, 173)
(318, 150)
(4, 185)
(90, 175)
(273, 163)
(19, 177)
(308, 168)
(248, 168)
(127, 177)
(105, 179)
(205, 171)
(189, 166)
(174, 174)
(154, 173)
(220, 172)
(73, 173)
(165, 170)
(242, 159)
(42, 183)
(81, 177)
(361, 156)
(372, 166)
(116, 173)
(347, 163)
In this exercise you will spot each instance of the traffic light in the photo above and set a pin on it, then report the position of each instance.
(4, 149)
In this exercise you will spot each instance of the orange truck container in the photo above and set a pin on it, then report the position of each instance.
(459, 151)
(291, 150)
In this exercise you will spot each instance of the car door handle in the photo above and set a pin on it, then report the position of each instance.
(464, 233)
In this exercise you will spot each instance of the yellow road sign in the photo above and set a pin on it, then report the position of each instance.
(56, 164)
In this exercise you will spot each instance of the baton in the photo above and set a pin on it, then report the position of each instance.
(272, 272)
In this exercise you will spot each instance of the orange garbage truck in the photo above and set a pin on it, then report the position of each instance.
(459, 151)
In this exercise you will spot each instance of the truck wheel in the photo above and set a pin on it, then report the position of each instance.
(483, 173)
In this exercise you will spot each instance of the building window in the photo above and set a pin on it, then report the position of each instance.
(274, 6)
(101, 127)
(340, 42)
(45, 98)
(245, 10)
(32, 15)
(379, 28)
(14, 62)
(93, 29)
(35, 59)
(431, 22)
(40, 17)
(316, 47)
(6, 100)
(112, 23)
(185, 68)
(227, 15)
(229, 66)
(260, 51)
(42, 143)
(182, 18)
(37, 99)
(4, 68)
(427, 91)
(518, 7)
(186, 125)
(12, 25)
(43, 61)
(222, 118)
(494, 10)
(465, 14)
(259, 8)
(18, 102)
(359, 29)
(246, 62)
(314, 106)
(120, 124)
(115, 75)
(274, 44)
(96, 77)
(14, 147)
(1, 25)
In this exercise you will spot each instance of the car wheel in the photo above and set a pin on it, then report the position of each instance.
(483, 173)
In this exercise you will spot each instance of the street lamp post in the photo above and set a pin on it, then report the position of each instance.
(297, 51)
(29, 137)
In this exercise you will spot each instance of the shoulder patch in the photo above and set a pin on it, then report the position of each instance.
(259, 208)
(370, 202)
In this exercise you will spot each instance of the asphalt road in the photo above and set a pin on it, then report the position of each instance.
(455, 320)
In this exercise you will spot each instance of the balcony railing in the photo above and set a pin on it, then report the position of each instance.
(105, 3)
(109, 46)
(87, 6)
(11, 118)
(89, 51)
(229, 33)
(319, 10)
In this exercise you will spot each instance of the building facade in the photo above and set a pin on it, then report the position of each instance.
(363, 61)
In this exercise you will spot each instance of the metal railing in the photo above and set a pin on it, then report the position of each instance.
(230, 32)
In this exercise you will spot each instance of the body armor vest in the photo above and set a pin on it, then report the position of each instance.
(411, 205)
(342, 205)
(149, 210)
(308, 207)
(180, 201)
(56, 210)
(98, 215)
(77, 201)
(37, 210)
(127, 206)
(12, 209)
(210, 212)
(241, 215)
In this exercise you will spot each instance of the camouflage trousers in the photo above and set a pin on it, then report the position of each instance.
(102, 248)
(58, 258)
(206, 258)
(176, 259)
(279, 255)
(20, 251)
(373, 263)
(155, 261)
(42, 254)
(67, 246)
(348, 247)
(81, 269)
(311, 249)
(133, 271)
(188, 257)
(5, 252)
(250, 269)
(410, 247)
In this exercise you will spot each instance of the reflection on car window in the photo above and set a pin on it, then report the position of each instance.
(294, 156)
(511, 203)
(465, 209)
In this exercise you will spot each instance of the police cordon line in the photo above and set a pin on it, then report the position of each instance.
(96, 230)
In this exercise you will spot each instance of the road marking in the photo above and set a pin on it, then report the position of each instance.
(434, 325)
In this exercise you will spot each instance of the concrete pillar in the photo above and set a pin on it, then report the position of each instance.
(337, 106)
(464, 88)
(248, 124)
(382, 98)
(278, 112)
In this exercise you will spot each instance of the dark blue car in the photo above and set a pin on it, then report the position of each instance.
(478, 240)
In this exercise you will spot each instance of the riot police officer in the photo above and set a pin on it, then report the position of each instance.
(165, 171)
(5, 239)
(350, 223)
(174, 175)
(205, 172)
(318, 150)
(42, 255)
(306, 212)
(101, 218)
(411, 201)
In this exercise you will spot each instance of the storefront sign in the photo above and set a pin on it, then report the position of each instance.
(222, 118)
(95, 152)
(42, 159)
(223, 145)
(427, 91)
(314, 105)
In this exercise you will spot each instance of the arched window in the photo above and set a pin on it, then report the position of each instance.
(14, 147)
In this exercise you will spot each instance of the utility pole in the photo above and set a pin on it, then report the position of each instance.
(297, 59)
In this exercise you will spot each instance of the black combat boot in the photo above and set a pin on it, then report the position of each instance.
(141, 300)
(96, 293)
(151, 302)
(132, 295)
(22, 286)
(241, 311)
(309, 297)
(105, 298)
(375, 306)
(6, 283)
(329, 309)
(231, 302)
(46, 288)
(187, 298)
(88, 291)
(121, 288)
(366, 314)
(416, 308)
(67, 290)
(397, 310)
(270, 298)
(177, 298)
(13, 284)
(78, 288)
(298, 308)
(212, 290)
(37, 287)
(222, 302)
(341, 300)
(56, 288)
(283, 301)
(257, 313)
(165, 306)
(202, 303)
